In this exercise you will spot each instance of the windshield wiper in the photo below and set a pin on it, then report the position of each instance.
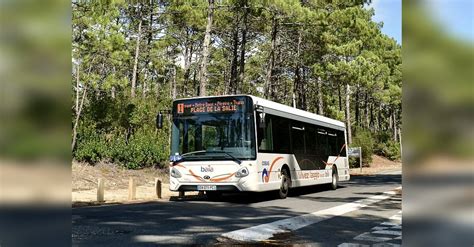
(228, 154)
(238, 161)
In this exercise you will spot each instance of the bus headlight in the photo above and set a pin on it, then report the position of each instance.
(242, 172)
(175, 173)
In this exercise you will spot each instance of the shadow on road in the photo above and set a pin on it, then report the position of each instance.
(164, 223)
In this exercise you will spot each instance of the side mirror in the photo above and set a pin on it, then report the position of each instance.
(262, 123)
(159, 120)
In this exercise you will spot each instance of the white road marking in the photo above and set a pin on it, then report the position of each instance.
(369, 237)
(385, 228)
(387, 232)
(379, 228)
(353, 245)
(162, 239)
(266, 231)
(389, 224)
(385, 245)
(396, 217)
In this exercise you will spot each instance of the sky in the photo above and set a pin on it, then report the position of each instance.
(455, 16)
(390, 13)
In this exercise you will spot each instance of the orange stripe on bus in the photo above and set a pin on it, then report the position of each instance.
(196, 176)
(222, 179)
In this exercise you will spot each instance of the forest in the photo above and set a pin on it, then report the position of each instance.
(131, 59)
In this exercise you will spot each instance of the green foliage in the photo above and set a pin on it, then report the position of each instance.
(386, 147)
(389, 149)
(363, 138)
(142, 149)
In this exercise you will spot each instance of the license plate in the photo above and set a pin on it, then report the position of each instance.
(206, 187)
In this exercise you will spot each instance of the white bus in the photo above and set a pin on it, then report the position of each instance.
(246, 143)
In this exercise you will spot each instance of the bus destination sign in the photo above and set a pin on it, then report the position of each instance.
(209, 107)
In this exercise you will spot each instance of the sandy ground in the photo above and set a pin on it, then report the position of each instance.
(379, 164)
(84, 181)
(85, 177)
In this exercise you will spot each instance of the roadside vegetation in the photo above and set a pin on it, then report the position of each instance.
(130, 60)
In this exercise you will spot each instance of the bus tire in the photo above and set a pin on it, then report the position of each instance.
(335, 179)
(285, 184)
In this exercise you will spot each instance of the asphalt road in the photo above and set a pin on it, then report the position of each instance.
(359, 212)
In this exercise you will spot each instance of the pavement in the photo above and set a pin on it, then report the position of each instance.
(365, 211)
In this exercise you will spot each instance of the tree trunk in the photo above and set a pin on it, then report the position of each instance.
(357, 106)
(173, 87)
(320, 96)
(77, 88)
(233, 64)
(271, 61)
(379, 118)
(395, 128)
(390, 120)
(240, 79)
(144, 88)
(225, 81)
(205, 51)
(372, 117)
(367, 120)
(339, 96)
(400, 139)
(188, 54)
(135, 62)
(78, 115)
(297, 83)
(348, 114)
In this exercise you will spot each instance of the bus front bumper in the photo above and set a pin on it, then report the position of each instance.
(243, 184)
(219, 187)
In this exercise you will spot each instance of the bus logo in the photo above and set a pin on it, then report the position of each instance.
(265, 177)
(207, 169)
(180, 108)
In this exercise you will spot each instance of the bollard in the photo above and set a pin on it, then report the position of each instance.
(132, 189)
(100, 190)
(158, 188)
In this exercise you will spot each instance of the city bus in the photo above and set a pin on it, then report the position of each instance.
(246, 143)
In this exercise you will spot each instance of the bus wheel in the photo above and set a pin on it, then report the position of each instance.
(334, 179)
(285, 184)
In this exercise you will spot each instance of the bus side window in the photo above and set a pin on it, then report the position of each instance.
(322, 139)
(311, 140)
(281, 137)
(332, 144)
(265, 135)
(341, 141)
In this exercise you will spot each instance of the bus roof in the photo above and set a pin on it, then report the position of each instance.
(296, 114)
(287, 111)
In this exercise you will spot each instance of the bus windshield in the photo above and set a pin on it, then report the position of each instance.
(214, 129)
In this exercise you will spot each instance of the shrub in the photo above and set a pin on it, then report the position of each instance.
(122, 131)
(364, 139)
(389, 149)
